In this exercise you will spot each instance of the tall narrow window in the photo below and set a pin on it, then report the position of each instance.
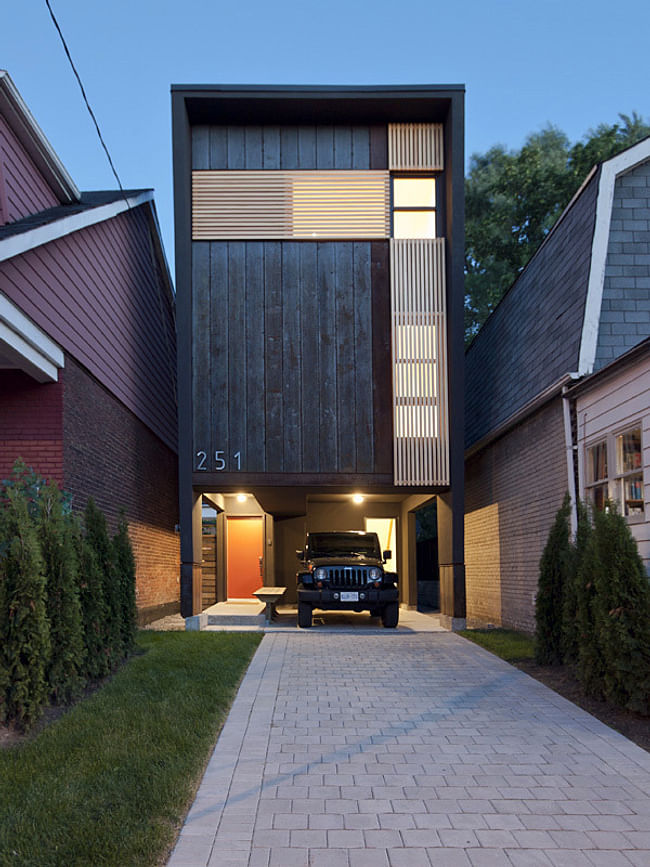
(597, 488)
(629, 472)
(414, 206)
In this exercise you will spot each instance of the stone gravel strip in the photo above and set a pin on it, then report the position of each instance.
(389, 750)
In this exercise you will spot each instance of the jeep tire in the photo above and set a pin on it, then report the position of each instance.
(390, 615)
(304, 615)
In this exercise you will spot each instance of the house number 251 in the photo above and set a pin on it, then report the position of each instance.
(220, 462)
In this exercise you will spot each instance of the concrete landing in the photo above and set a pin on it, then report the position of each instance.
(248, 616)
(236, 612)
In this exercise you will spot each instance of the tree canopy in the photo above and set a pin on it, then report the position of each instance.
(513, 198)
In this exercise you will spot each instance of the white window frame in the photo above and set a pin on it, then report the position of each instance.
(614, 480)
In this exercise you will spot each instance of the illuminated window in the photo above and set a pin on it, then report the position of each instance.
(629, 473)
(414, 207)
(625, 485)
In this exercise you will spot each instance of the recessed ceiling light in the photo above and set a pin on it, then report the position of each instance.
(357, 498)
(241, 498)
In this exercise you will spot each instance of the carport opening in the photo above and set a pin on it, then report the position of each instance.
(426, 547)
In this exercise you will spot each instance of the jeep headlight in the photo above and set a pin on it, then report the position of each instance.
(375, 573)
(320, 574)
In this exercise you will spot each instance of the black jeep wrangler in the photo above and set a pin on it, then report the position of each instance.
(345, 570)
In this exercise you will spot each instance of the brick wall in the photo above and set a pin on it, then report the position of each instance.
(112, 456)
(513, 489)
(31, 424)
(625, 311)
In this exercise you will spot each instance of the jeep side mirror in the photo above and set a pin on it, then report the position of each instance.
(387, 555)
(300, 554)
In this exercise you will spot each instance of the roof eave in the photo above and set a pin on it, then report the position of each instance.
(33, 139)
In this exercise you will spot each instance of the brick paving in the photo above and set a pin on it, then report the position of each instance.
(359, 749)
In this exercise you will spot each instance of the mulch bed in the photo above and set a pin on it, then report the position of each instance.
(562, 680)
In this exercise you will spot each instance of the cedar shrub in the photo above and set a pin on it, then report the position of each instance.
(25, 636)
(57, 537)
(621, 613)
(554, 570)
(124, 563)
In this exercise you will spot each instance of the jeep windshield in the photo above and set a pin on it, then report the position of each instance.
(343, 544)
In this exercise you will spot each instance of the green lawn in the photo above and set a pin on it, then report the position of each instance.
(506, 643)
(111, 780)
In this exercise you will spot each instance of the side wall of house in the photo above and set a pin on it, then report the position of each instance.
(625, 309)
(110, 455)
(513, 489)
(31, 424)
(617, 404)
(25, 190)
(97, 293)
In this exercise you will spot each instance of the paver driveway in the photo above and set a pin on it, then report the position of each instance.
(411, 749)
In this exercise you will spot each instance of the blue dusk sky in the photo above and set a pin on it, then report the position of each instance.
(571, 63)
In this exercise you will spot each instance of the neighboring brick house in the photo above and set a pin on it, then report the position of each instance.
(582, 302)
(87, 347)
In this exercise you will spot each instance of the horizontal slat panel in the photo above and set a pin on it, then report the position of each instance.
(415, 146)
(289, 205)
(419, 350)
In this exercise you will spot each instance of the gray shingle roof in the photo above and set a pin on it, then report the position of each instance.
(533, 336)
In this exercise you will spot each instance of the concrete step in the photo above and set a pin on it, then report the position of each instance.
(238, 612)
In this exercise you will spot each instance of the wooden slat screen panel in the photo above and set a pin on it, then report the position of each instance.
(415, 146)
(290, 205)
(419, 346)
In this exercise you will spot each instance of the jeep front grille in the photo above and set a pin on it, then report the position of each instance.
(347, 576)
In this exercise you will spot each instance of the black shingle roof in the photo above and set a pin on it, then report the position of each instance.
(89, 200)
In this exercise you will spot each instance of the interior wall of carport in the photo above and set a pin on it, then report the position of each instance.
(289, 536)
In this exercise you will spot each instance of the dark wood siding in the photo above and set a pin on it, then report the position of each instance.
(98, 293)
(25, 190)
(290, 371)
(322, 146)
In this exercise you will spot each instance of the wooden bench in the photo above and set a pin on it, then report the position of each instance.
(270, 596)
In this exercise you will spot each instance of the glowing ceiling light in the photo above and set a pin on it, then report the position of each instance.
(241, 498)
(357, 498)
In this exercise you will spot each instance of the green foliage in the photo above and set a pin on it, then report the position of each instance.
(573, 591)
(98, 540)
(590, 667)
(506, 643)
(24, 640)
(513, 198)
(111, 780)
(57, 537)
(554, 569)
(93, 610)
(621, 613)
(124, 562)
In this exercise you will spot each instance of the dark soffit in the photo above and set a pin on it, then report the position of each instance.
(287, 104)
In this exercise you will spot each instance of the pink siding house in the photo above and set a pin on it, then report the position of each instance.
(88, 346)
(613, 423)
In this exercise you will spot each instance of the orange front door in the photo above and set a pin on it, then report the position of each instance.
(245, 548)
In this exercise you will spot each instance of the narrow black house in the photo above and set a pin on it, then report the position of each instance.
(319, 274)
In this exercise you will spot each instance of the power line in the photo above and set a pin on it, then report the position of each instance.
(85, 98)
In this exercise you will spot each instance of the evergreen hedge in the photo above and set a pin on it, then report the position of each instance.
(67, 597)
(600, 595)
(66, 665)
(25, 635)
(553, 574)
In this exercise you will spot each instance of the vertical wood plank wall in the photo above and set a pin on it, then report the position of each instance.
(287, 363)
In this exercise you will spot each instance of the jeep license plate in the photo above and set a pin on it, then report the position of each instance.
(348, 596)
